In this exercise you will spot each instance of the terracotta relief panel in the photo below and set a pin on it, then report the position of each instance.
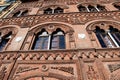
(44, 71)
(5, 68)
(113, 70)
(91, 71)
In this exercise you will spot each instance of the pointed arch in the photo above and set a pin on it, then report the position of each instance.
(7, 33)
(58, 32)
(107, 33)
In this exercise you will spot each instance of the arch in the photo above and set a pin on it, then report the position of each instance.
(59, 10)
(101, 8)
(50, 74)
(116, 5)
(49, 40)
(7, 33)
(48, 11)
(106, 36)
(63, 6)
(82, 8)
(91, 25)
(50, 27)
(91, 7)
(20, 12)
(66, 27)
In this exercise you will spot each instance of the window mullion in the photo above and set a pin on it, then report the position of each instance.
(49, 41)
(53, 11)
(20, 14)
(87, 8)
(113, 39)
(96, 8)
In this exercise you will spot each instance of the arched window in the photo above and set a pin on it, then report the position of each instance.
(4, 40)
(82, 8)
(109, 38)
(41, 40)
(101, 8)
(52, 11)
(46, 41)
(115, 34)
(58, 10)
(16, 14)
(92, 8)
(20, 13)
(24, 13)
(117, 6)
(48, 11)
(58, 40)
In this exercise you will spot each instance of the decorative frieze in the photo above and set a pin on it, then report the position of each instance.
(71, 18)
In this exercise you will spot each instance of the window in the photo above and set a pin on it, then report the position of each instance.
(58, 10)
(117, 6)
(4, 40)
(48, 11)
(109, 38)
(44, 41)
(20, 13)
(4, 7)
(100, 8)
(82, 8)
(52, 11)
(91, 8)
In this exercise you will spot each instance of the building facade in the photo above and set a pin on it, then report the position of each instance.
(61, 40)
(7, 6)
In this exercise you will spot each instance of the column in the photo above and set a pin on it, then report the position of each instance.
(49, 41)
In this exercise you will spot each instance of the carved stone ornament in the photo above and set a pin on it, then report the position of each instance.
(113, 67)
(92, 74)
(3, 72)
(65, 69)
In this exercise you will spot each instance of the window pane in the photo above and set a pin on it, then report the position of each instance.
(116, 36)
(55, 42)
(100, 40)
(41, 42)
(108, 41)
(3, 43)
(61, 42)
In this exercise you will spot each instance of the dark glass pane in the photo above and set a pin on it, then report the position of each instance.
(48, 11)
(101, 8)
(3, 43)
(16, 14)
(82, 9)
(41, 42)
(117, 6)
(58, 10)
(24, 13)
(55, 42)
(92, 9)
(58, 42)
(100, 40)
(116, 36)
(61, 42)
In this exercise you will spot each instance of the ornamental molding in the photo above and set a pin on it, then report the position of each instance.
(71, 18)
(56, 55)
